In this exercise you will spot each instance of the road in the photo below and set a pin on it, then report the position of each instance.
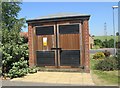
(9, 84)
(93, 51)
(20, 83)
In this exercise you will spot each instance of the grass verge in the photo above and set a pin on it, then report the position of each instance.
(103, 77)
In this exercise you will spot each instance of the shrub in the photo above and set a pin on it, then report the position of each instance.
(107, 64)
(99, 55)
(98, 42)
(19, 69)
(118, 61)
(106, 53)
(12, 44)
(11, 53)
(32, 70)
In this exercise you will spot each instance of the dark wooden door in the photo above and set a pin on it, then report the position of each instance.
(45, 56)
(62, 46)
(69, 42)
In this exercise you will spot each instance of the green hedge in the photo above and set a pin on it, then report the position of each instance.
(107, 64)
(20, 69)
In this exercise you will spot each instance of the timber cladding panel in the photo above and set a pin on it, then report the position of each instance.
(59, 42)
(70, 41)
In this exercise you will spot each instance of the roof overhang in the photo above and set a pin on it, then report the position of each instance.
(62, 18)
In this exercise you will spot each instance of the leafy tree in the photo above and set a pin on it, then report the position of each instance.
(9, 15)
(111, 43)
(13, 46)
(105, 44)
(98, 42)
(10, 23)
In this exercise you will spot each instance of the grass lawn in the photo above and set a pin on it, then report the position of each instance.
(104, 77)
(102, 38)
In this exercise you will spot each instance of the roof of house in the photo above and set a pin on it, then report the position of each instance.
(60, 16)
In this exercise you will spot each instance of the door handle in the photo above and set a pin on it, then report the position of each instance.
(56, 48)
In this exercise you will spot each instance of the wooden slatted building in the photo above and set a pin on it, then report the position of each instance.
(59, 41)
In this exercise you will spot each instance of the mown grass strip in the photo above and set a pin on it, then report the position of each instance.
(110, 79)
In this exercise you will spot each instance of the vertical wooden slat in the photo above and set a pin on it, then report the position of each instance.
(83, 46)
(39, 42)
(69, 41)
(58, 40)
(80, 38)
(55, 44)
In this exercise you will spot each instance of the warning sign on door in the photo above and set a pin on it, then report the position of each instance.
(44, 41)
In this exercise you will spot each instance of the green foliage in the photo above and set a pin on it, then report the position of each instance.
(13, 46)
(106, 53)
(105, 44)
(118, 61)
(106, 77)
(32, 70)
(98, 42)
(107, 64)
(99, 55)
(111, 43)
(105, 41)
(103, 77)
(12, 53)
(9, 15)
(25, 39)
(118, 44)
(18, 69)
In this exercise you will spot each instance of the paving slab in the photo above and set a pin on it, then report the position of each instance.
(71, 78)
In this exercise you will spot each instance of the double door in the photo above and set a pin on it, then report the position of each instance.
(58, 45)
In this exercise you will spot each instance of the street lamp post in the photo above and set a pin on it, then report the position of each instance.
(114, 7)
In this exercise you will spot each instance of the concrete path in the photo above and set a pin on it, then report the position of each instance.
(72, 78)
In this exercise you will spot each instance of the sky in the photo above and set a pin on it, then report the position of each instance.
(101, 13)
